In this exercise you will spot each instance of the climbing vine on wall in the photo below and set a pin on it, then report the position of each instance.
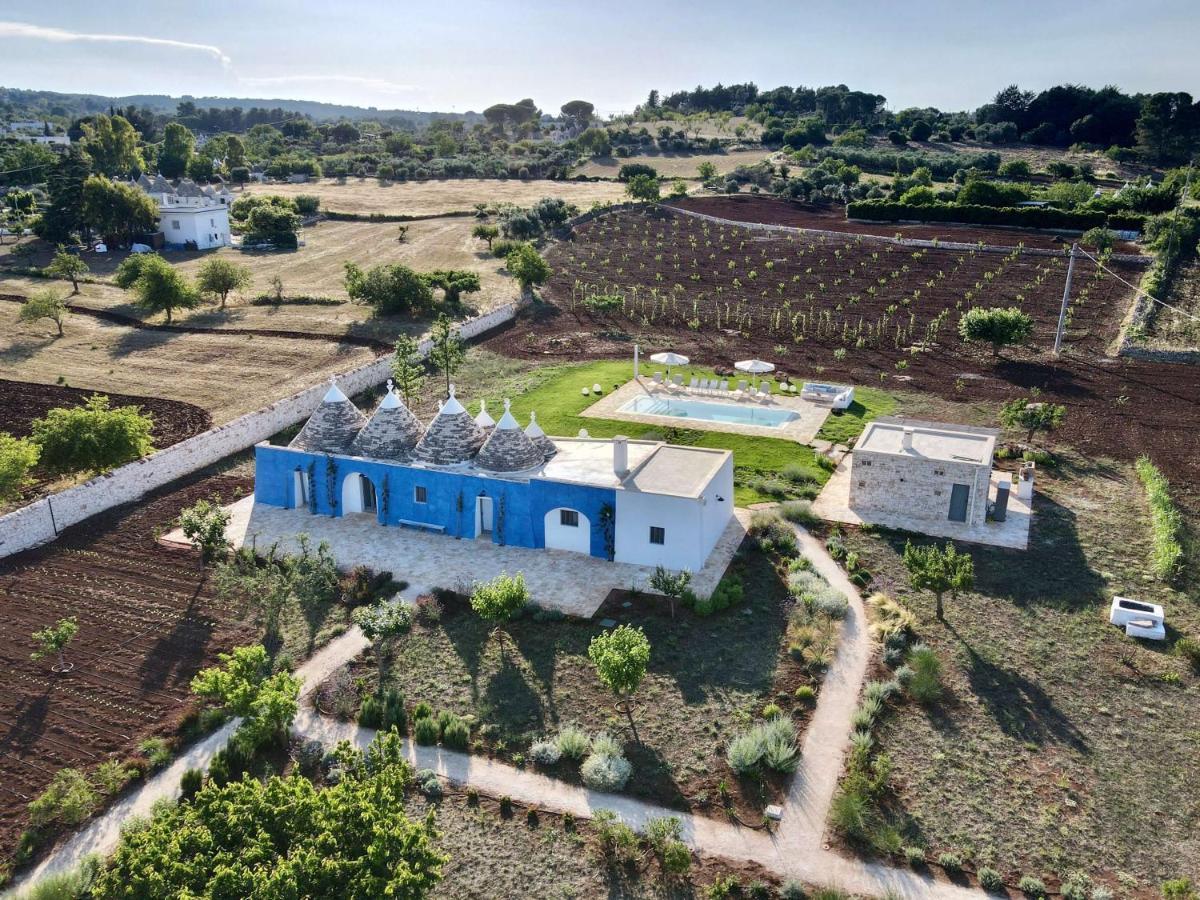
(459, 507)
(500, 520)
(311, 475)
(331, 483)
(384, 499)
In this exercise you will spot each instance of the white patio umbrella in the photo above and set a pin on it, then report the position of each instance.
(754, 366)
(670, 359)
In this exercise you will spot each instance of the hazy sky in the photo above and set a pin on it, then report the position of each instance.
(468, 54)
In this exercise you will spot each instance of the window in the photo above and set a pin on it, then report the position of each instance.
(939, 472)
(658, 535)
(212, 223)
(175, 224)
(568, 517)
(419, 494)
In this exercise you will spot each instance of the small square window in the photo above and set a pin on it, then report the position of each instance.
(862, 484)
(175, 224)
(658, 535)
(419, 494)
(939, 472)
(568, 517)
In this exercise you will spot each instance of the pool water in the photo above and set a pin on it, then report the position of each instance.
(702, 410)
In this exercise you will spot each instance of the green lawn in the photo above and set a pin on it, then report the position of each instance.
(554, 392)
(845, 427)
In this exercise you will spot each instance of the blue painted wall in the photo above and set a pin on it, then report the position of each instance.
(519, 508)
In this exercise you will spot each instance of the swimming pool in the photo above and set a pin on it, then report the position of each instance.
(728, 413)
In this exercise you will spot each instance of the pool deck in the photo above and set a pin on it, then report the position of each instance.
(802, 430)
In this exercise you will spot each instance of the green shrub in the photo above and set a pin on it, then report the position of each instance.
(1032, 887)
(573, 742)
(850, 813)
(602, 772)
(1076, 886)
(157, 752)
(800, 512)
(771, 710)
(1178, 889)
(773, 534)
(1189, 649)
(676, 858)
(190, 783)
(422, 711)
(68, 800)
(990, 880)
(925, 683)
(110, 776)
(391, 617)
(72, 885)
(806, 694)
(616, 838)
(728, 592)
(951, 862)
(1166, 524)
(501, 248)
(17, 457)
(771, 744)
(425, 730)
(915, 855)
(792, 890)
(545, 753)
(456, 734)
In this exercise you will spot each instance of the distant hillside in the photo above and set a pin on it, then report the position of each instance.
(19, 103)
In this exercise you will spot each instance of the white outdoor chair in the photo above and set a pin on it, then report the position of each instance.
(741, 388)
(658, 378)
(694, 384)
(724, 386)
(764, 392)
(677, 382)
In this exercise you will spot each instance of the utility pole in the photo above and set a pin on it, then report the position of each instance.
(1062, 313)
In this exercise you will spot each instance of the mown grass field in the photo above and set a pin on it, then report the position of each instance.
(228, 375)
(1060, 744)
(682, 165)
(431, 198)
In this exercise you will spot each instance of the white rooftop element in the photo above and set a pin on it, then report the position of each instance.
(334, 394)
(452, 405)
(534, 430)
(931, 440)
(653, 467)
(1143, 620)
(507, 421)
(483, 420)
(390, 400)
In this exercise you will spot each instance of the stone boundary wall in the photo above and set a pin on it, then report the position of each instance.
(41, 521)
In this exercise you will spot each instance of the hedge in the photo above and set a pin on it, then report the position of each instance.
(966, 214)
(1166, 524)
(335, 216)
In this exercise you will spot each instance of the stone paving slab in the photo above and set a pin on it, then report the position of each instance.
(557, 579)
(801, 430)
(833, 505)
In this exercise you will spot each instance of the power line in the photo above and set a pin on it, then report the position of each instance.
(1137, 290)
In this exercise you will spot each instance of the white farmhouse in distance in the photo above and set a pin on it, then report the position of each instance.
(190, 216)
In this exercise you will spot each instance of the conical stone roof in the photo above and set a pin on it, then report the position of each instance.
(534, 433)
(392, 433)
(508, 448)
(451, 438)
(332, 427)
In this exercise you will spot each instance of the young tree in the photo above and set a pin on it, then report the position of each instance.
(621, 657)
(448, 350)
(243, 686)
(527, 266)
(248, 837)
(204, 524)
(679, 189)
(54, 639)
(218, 277)
(707, 170)
(938, 570)
(176, 152)
(160, 287)
(120, 212)
(671, 585)
(997, 326)
(92, 437)
(486, 232)
(45, 303)
(643, 187)
(408, 368)
(17, 457)
(1032, 417)
(454, 283)
(499, 600)
(67, 265)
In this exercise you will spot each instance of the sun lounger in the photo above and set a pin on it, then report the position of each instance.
(724, 386)
(677, 382)
(658, 378)
(694, 384)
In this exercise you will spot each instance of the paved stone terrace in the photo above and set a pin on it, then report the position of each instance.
(801, 430)
(833, 504)
(557, 579)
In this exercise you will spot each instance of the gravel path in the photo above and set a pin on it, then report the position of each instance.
(795, 849)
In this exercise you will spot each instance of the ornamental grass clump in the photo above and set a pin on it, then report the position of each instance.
(573, 742)
(771, 744)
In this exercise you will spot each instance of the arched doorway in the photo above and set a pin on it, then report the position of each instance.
(568, 529)
(358, 495)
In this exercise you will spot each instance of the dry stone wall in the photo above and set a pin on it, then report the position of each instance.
(41, 521)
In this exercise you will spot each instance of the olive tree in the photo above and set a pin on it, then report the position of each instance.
(203, 524)
(527, 266)
(938, 570)
(17, 457)
(486, 232)
(69, 266)
(54, 639)
(621, 657)
(499, 600)
(1032, 417)
(997, 326)
(93, 437)
(45, 303)
(218, 277)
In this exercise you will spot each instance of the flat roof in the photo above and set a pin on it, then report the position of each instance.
(931, 440)
(654, 467)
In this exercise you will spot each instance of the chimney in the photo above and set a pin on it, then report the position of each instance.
(621, 455)
(906, 441)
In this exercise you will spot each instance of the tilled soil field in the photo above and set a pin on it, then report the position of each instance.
(1116, 407)
(148, 621)
(22, 401)
(771, 211)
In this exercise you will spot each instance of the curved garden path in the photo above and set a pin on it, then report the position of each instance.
(794, 849)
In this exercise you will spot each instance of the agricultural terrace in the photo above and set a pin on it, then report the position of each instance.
(1178, 327)
(672, 165)
(226, 374)
(148, 618)
(1016, 766)
(435, 198)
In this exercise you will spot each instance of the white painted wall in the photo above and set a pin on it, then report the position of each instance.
(41, 521)
(716, 507)
(682, 519)
(208, 227)
(577, 539)
(352, 495)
